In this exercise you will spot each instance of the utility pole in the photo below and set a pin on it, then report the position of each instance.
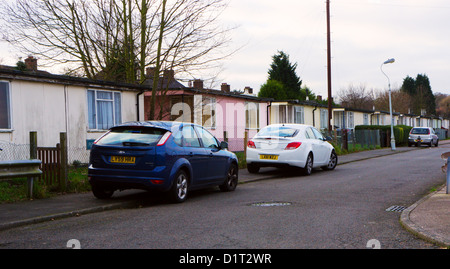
(330, 110)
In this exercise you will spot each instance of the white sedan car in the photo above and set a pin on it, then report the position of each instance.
(290, 145)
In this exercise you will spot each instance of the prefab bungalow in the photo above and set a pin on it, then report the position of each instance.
(49, 104)
(227, 115)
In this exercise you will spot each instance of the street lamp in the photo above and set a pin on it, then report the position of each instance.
(389, 61)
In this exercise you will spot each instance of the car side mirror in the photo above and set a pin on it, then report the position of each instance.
(328, 138)
(223, 145)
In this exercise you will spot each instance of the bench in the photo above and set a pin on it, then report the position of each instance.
(21, 168)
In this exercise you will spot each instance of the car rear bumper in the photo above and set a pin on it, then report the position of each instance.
(128, 179)
(285, 158)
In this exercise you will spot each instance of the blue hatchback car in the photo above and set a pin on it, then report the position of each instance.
(172, 157)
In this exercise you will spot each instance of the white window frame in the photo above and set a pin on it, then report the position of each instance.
(116, 119)
(251, 108)
(299, 114)
(323, 119)
(8, 106)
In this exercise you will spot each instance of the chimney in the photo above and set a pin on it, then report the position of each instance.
(225, 87)
(248, 90)
(319, 98)
(149, 72)
(31, 63)
(198, 84)
(169, 75)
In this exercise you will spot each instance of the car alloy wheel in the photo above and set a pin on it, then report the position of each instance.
(309, 165)
(180, 187)
(231, 180)
(333, 161)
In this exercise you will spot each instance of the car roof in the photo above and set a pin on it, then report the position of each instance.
(292, 125)
(166, 125)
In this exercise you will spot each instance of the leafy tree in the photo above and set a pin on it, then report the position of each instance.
(284, 71)
(273, 89)
(421, 94)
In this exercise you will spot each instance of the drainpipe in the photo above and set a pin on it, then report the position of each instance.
(269, 107)
(314, 117)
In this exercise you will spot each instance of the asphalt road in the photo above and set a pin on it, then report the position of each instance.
(340, 209)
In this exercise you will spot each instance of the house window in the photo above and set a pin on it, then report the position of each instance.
(104, 109)
(5, 113)
(209, 112)
(323, 119)
(251, 115)
(182, 108)
(282, 117)
(299, 114)
(351, 122)
(366, 119)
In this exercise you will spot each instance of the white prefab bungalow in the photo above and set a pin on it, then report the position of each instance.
(50, 104)
(303, 112)
(316, 114)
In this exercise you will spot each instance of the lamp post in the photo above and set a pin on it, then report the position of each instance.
(389, 61)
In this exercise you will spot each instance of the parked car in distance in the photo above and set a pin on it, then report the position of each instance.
(290, 145)
(171, 157)
(422, 135)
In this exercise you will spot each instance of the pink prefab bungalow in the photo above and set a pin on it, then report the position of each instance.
(227, 115)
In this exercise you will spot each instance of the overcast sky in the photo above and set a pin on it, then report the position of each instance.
(364, 34)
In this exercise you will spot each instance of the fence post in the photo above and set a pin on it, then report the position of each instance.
(245, 143)
(33, 156)
(33, 145)
(64, 161)
(225, 136)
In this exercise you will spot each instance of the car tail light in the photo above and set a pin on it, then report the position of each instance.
(163, 139)
(293, 145)
(251, 144)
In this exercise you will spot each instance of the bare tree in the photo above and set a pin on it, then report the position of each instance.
(356, 97)
(118, 39)
(401, 101)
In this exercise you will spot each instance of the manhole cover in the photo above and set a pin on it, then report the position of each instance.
(396, 208)
(265, 204)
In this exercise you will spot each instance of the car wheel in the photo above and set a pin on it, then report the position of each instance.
(179, 190)
(252, 168)
(332, 163)
(309, 165)
(101, 192)
(231, 180)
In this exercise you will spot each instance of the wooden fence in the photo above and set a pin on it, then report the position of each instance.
(54, 163)
(50, 164)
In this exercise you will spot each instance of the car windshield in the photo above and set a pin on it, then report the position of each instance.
(279, 131)
(132, 137)
(420, 131)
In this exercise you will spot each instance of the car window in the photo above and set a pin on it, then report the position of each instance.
(178, 138)
(420, 131)
(280, 131)
(132, 136)
(317, 134)
(309, 134)
(208, 140)
(190, 138)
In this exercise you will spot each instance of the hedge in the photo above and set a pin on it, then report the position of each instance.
(401, 133)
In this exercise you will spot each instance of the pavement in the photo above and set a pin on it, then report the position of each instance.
(428, 218)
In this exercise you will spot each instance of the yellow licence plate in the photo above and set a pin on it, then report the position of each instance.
(123, 159)
(268, 157)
